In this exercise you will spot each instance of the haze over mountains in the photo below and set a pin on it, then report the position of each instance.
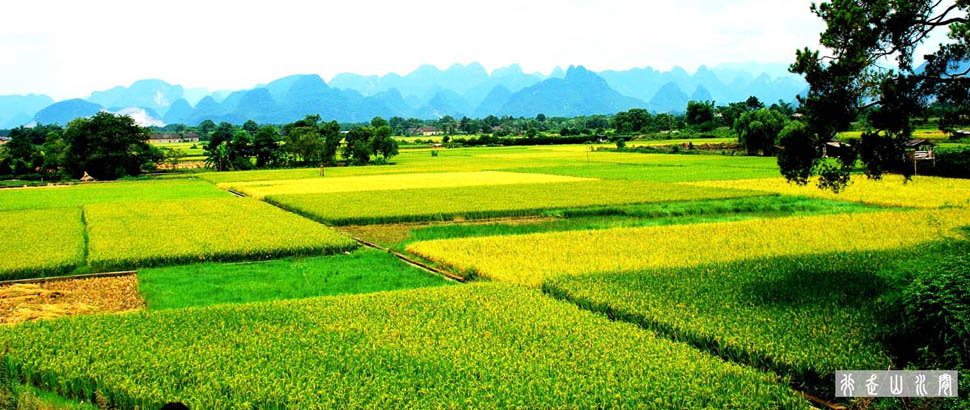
(426, 93)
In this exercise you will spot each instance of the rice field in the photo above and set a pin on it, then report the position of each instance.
(262, 189)
(920, 192)
(476, 202)
(456, 346)
(800, 316)
(531, 259)
(593, 280)
(98, 193)
(140, 234)
(40, 242)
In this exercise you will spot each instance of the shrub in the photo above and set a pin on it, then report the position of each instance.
(937, 308)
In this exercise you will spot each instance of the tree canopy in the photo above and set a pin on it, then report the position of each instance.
(867, 71)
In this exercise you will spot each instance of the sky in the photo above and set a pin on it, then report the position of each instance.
(66, 49)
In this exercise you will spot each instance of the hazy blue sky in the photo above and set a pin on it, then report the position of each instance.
(69, 48)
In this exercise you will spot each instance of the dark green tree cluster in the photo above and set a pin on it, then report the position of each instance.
(106, 146)
(306, 142)
(370, 141)
(867, 72)
(700, 115)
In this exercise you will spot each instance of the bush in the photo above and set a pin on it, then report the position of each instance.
(953, 163)
(937, 308)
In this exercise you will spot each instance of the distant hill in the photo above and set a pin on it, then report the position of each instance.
(17, 110)
(580, 92)
(670, 98)
(179, 112)
(66, 111)
(493, 102)
(428, 92)
(155, 94)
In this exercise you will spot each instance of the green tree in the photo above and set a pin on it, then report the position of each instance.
(358, 149)
(306, 144)
(867, 72)
(700, 115)
(108, 146)
(251, 127)
(218, 158)
(758, 131)
(266, 147)
(382, 144)
(222, 133)
(205, 129)
(378, 122)
(629, 122)
(241, 150)
(33, 152)
(331, 141)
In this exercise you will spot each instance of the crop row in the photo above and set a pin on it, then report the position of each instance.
(409, 205)
(79, 195)
(892, 190)
(260, 189)
(800, 316)
(167, 232)
(493, 345)
(123, 235)
(530, 259)
(40, 242)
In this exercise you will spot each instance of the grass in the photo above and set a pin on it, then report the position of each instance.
(261, 189)
(143, 234)
(531, 259)
(97, 193)
(37, 243)
(362, 271)
(455, 346)
(892, 190)
(347, 208)
(24, 397)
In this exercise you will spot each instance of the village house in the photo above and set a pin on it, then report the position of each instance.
(425, 131)
(164, 138)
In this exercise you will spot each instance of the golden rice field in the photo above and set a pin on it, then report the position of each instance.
(477, 202)
(489, 345)
(261, 189)
(530, 259)
(138, 234)
(40, 242)
(921, 192)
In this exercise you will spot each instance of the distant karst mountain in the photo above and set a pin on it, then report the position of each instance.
(427, 92)
(16, 110)
(580, 92)
(65, 111)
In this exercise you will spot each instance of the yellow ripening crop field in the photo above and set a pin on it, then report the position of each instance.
(921, 192)
(40, 242)
(530, 259)
(261, 189)
(138, 234)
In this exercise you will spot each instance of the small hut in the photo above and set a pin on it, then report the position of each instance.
(920, 150)
(833, 148)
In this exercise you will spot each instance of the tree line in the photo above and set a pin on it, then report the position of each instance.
(306, 142)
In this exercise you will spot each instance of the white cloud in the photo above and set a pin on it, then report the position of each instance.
(70, 48)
